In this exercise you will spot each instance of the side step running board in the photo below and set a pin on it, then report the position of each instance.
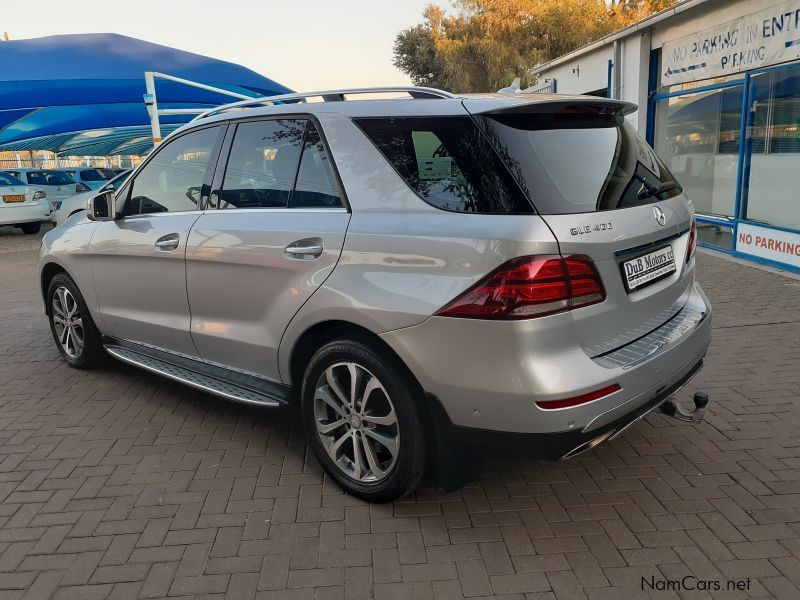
(212, 385)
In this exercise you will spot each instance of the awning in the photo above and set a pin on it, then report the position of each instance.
(81, 95)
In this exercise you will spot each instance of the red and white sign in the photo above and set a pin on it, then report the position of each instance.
(772, 244)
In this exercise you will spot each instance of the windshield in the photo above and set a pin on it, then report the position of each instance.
(578, 164)
(54, 178)
(6, 179)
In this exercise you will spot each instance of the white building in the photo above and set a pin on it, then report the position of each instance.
(718, 88)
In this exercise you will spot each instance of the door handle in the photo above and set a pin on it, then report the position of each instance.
(168, 243)
(304, 249)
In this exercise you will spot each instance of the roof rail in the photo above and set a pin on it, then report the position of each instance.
(327, 96)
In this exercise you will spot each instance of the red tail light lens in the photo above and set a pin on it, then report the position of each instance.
(582, 399)
(692, 241)
(528, 287)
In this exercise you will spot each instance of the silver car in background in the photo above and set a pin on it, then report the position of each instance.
(422, 276)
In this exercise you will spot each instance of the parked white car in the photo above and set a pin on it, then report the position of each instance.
(78, 202)
(89, 176)
(22, 205)
(57, 184)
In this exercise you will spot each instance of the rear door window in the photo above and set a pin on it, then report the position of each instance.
(263, 164)
(316, 185)
(36, 178)
(56, 178)
(572, 163)
(448, 163)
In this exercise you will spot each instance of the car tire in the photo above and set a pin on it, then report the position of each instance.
(77, 337)
(371, 442)
(30, 228)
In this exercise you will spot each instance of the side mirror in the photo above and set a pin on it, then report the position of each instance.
(102, 207)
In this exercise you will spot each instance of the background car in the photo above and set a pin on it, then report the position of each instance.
(77, 203)
(57, 184)
(22, 205)
(89, 176)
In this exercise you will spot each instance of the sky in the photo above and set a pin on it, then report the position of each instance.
(303, 44)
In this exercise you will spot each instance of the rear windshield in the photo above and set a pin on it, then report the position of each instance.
(448, 163)
(6, 179)
(570, 163)
(54, 178)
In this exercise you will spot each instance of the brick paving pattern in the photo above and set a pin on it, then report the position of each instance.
(119, 484)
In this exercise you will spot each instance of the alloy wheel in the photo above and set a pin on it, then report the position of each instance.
(68, 322)
(356, 422)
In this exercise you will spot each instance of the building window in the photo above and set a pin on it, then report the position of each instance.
(774, 148)
(698, 136)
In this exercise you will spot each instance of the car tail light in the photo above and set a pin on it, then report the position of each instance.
(81, 187)
(692, 241)
(577, 400)
(528, 287)
(39, 194)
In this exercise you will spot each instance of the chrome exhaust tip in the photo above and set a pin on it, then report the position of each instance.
(586, 446)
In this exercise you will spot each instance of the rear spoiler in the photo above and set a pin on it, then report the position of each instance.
(491, 104)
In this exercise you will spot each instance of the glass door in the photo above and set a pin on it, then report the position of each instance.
(772, 153)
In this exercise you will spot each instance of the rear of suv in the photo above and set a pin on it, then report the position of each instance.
(419, 275)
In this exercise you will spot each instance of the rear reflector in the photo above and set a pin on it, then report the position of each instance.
(528, 287)
(577, 400)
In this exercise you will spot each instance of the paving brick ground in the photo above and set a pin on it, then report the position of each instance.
(120, 484)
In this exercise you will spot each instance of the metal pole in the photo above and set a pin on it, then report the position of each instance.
(201, 86)
(152, 106)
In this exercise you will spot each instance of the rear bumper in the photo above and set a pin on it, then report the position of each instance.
(562, 444)
(24, 213)
(487, 376)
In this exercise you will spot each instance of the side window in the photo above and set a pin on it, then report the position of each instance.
(172, 180)
(316, 185)
(36, 178)
(262, 164)
(448, 163)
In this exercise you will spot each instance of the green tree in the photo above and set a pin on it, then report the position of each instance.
(486, 43)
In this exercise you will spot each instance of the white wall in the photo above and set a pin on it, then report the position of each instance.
(705, 16)
(592, 73)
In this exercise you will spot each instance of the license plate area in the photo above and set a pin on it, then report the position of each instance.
(647, 268)
(9, 198)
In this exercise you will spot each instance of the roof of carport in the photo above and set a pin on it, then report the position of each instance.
(82, 94)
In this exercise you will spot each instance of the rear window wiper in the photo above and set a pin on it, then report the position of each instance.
(656, 190)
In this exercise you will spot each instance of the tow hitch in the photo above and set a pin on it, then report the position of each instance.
(676, 411)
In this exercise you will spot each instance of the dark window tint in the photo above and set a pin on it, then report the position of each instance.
(92, 175)
(6, 179)
(448, 163)
(578, 164)
(13, 174)
(173, 179)
(316, 186)
(36, 178)
(56, 178)
(262, 164)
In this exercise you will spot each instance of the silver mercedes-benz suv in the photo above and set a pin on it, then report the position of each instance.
(421, 275)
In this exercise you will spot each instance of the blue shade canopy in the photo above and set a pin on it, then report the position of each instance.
(55, 91)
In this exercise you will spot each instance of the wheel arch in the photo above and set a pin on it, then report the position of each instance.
(49, 271)
(319, 334)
